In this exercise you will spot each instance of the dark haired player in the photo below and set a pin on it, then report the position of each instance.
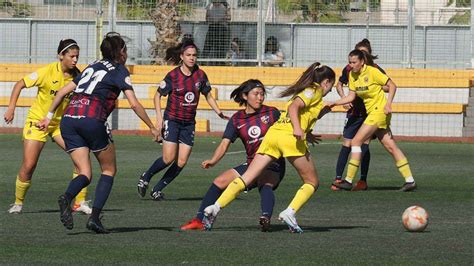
(182, 85)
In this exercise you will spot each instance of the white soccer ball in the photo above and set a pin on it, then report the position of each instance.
(415, 219)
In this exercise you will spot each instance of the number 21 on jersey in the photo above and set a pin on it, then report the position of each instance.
(89, 80)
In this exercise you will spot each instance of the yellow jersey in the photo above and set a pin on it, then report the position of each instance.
(313, 104)
(49, 80)
(367, 84)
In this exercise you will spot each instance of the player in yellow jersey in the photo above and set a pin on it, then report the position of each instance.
(49, 80)
(366, 82)
(288, 138)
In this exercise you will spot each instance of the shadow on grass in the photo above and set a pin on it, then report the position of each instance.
(282, 227)
(127, 230)
(385, 188)
(56, 210)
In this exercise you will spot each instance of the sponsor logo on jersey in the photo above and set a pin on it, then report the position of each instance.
(189, 97)
(254, 132)
(265, 119)
(363, 88)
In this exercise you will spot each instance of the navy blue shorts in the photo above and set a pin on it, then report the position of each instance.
(179, 132)
(85, 132)
(353, 123)
(277, 166)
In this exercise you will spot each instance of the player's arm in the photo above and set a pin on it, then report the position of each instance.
(347, 99)
(392, 89)
(137, 107)
(44, 123)
(213, 103)
(159, 115)
(218, 154)
(10, 113)
(293, 112)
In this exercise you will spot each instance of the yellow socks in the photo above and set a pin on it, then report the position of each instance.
(404, 169)
(352, 169)
(20, 190)
(231, 192)
(302, 196)
(82, 194)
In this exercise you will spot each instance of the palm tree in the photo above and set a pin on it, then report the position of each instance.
(165, 18)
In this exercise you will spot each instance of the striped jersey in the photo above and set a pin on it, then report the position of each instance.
(183, 93)
(98, 87)
(251, 128)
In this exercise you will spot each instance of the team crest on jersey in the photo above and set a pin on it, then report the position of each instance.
(33, 76)
(254, 132)
(189, 97)
(197, 85)
(366, 79)
(265, 119)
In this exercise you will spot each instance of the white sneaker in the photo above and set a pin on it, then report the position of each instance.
(15, 208)
(210, 214)
(288, 216)
(82, 207)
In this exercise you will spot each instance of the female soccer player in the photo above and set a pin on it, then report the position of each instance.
(288, 138)
(49, 80)
(366, 82)
(356, 115)
(250, 125)
(84, 128)
(182, 85)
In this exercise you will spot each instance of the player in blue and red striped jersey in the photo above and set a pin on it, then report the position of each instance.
(84, 129)
(182, 85)
(250, 125)
(355, 117)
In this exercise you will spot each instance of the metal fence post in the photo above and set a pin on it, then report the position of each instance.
(411, 29)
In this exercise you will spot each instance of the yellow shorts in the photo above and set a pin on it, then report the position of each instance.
(279, 143)
(381, 120)
(31, 132)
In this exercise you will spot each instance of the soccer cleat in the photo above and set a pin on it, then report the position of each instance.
(264, 223)
(343, 185)
(290, 220)
(96, 226)
(142, 186)
(65, 212)
(333, 187)
(408, 187)
(15, 208)
(210, 214)
(361, 185)
(194, 224)
(157, 195)
(82, 207)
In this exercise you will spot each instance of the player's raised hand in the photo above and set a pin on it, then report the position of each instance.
(8, 116)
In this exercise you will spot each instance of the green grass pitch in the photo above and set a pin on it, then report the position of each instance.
(339, 227)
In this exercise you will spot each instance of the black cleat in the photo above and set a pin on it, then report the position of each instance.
(96, 226)
(65, 212)
(343, 185)
(408, 187)
(264, 223)
(142, 186)
(157, 195)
